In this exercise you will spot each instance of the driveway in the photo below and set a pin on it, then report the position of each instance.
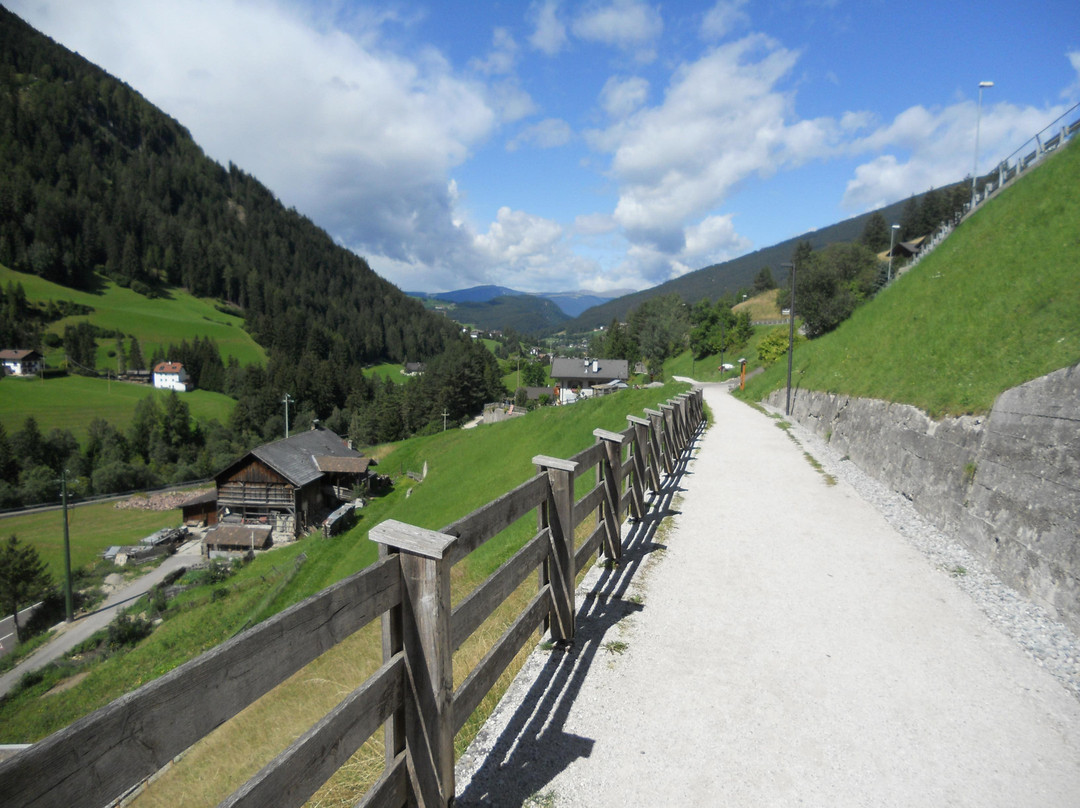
(68, 635)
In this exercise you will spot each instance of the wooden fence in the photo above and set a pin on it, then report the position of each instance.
(103, 756)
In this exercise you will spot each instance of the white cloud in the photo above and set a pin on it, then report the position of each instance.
(549, 133)
(503, 56)
(723, 17)
(549, 34)
(620, 97)
(937, 147)
(1073, 89)
(358, 137)
(626, 24)
(721, 121)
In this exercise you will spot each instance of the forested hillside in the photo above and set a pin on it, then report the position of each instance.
(97, 181)
(917, 216)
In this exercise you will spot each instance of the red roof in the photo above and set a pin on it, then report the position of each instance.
(168, 367)
(18, 354)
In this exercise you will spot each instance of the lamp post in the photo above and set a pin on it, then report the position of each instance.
(978, 119)
(892, 236)
(287, 400)
(791, 334)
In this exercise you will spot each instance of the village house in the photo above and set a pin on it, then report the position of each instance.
(587, 377)
(21, 362)
(291, 484)
(170, 376)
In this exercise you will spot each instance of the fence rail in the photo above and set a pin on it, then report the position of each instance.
(103, 756)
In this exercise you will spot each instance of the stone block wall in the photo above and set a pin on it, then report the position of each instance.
(1006, 485)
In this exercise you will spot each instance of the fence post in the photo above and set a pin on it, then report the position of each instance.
(674, 439)
(659, 442)
(557, 514)
(640, 449)
(422, 631)
(611, 510)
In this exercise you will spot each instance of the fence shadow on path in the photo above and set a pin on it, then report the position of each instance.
(533, 747)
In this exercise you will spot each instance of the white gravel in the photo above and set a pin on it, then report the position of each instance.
(781, 641)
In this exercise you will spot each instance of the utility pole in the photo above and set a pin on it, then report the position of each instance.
(287, 401)
(68, 611)
(791, 337)
(444, 414)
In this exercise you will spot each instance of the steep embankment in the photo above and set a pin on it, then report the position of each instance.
(996, 305)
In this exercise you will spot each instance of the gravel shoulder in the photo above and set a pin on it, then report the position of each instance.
(774, 639)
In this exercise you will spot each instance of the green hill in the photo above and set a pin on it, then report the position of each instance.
(72, 402)
(995, 305)
(155, 322)
(97, 182)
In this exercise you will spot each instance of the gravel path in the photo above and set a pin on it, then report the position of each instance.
(784, 641)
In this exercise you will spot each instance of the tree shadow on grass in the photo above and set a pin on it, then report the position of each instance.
(524, 746)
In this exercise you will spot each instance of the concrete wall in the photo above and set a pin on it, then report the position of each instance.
(1006, 485)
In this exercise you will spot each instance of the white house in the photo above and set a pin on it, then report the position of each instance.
(170, 376)
(20, 362)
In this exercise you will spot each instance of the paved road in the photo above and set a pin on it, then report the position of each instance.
(785, 647)
(70, 635)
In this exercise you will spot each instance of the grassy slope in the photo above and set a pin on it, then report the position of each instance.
(91, 528)
(72, 402)
(467, 468)
(156, 322)
(996, 305)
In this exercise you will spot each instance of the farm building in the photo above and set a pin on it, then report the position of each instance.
(227, 539)
(170, 376)
(20, 362)
(290, 484)
(201, 508)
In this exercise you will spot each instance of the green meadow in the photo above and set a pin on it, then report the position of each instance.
(995, 305)
(72, 402)
(156, 322)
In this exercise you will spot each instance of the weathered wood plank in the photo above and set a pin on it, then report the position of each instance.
(490, 594)
(587, 505)
(588, 547)
(102, 755)
(487, 521)
(298, 772)
(392, 789)
(483, 677)
(587, 458)
(412, 539)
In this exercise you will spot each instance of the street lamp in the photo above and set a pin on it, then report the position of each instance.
(287, 401)
(978, 118)
(892, 236)
(791, 334)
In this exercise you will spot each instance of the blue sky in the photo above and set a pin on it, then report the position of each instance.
(602, 145)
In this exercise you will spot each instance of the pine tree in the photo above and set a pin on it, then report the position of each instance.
(23, 578)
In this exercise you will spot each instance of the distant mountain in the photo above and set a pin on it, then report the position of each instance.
(717, 280)
(571, 304)
(527, 314)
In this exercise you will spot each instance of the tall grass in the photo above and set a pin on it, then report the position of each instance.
(995, 305)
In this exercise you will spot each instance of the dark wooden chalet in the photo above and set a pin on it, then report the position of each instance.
(290, 484)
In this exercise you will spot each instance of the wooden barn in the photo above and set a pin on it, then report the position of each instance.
(290, 484)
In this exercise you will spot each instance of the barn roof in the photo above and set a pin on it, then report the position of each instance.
(239, 536)
(298, 458)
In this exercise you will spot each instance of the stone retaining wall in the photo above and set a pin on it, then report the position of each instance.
(1006, 485)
